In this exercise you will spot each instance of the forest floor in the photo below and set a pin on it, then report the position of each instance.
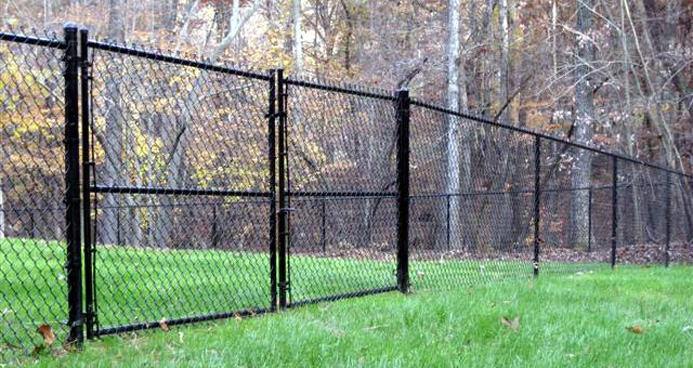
(630, 317)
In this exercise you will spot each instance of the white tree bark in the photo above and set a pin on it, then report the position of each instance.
(584, 120)
(47, 13)
(183, 35)
(504, 202)
(554, 49)
(298, 34)
(234, 29)
(505, 59)
(453, 124)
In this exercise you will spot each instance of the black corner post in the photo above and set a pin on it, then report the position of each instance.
(537, 201)
(85, 77)
(402, 112)
(614, 210)
(283, 228)
(272, 162)
(72, 190)
(667, 219)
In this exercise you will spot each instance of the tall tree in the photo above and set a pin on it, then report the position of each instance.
(298, 34)
(113, 142)
(584, 121)
(453, 125)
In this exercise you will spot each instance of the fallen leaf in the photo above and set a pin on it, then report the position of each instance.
(237, 317)
(362, 361)
(47, 332)
(514, 324)
(637, 329)
(164, 324)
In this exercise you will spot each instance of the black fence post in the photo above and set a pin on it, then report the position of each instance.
(32, 223)
(272, 162)
(403, 190)
(90, 313)
(215, 229)
(447, 221)
(589, 220)
(323, 225)
(118, 225)
(614, 210)
(537, 201)
(667, 219)
(283, 223)
(72, 190)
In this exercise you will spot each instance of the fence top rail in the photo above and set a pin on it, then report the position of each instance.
(521, 130)
(31, 40)
(350, 90)
(132, 51)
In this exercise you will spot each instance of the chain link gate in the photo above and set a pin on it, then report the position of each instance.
(337, 178)
(180, 166)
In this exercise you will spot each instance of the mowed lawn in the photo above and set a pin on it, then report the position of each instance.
(630, 317)
(147, 285)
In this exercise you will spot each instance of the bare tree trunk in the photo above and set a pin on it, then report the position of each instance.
(584, 118)
(113, 149)
(453, 99)
(504, 73)
(298, 47)
(554, 48)
(178, 146)
(170, 14)
(505, 208)
(47, 13)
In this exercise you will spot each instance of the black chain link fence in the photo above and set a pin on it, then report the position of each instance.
(180, 177)
(210, 192)
(33, 287)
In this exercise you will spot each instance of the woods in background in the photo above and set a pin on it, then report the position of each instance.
(613, 74)
(621, 67)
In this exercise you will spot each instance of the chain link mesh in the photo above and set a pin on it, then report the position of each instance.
(33, 290)
(181, 168)
(471, 201)
(183, 195)
(342, 184)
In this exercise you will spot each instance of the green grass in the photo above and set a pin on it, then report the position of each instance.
(137, 285)
(570, 321)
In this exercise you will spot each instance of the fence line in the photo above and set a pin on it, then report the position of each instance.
(290, 191)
